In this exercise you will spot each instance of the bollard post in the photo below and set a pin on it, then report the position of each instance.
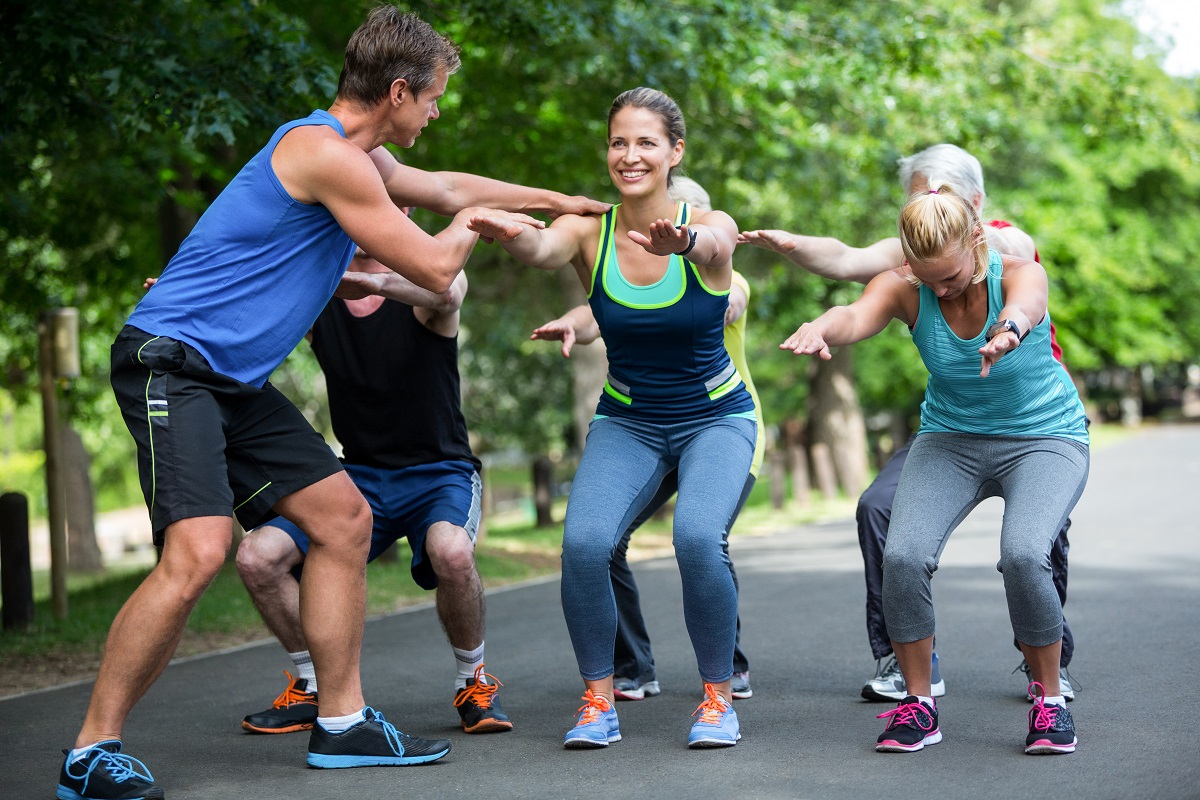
(16, 578)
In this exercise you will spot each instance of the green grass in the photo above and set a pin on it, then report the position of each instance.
(225, 613)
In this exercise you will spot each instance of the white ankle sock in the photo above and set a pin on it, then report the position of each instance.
(304, 668)
(79, 752)
(1055, 701)
(927, 701)
(467, 661)
(341, 724)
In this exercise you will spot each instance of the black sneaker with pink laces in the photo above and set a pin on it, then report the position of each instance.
(912, 724)
(1051, 729)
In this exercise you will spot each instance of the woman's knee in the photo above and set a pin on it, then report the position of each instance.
(905, 566)
(1024, 564)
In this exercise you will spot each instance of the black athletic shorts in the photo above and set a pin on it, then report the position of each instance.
(210, 445)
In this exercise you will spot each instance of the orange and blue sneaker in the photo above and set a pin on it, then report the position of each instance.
(1051, 729)
(478, 705)
(717, 722)
(911, 725)
(596, 724)
(104, 773)
(294, 710)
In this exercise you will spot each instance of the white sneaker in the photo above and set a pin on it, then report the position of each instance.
(1064, 680)
(631, 689)
(888, 683)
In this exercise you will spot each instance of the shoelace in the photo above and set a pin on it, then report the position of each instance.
(908, 714)
(290, 696)
(593, 706)
(889, 669)
(395, 738)
(1041, 716)
(713, 706)
(481, 693)
(121, 768)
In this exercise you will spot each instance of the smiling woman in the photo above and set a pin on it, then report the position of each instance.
(657, 275)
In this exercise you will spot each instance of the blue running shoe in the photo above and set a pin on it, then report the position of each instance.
(596, 726)
(104, 774)
(374, 742)
(717, 725)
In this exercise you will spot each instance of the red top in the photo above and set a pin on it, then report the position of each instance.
(1000, 224)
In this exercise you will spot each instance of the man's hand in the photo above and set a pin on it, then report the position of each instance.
(148, 283)
(807, 341)
(781, 242)
(493, 225)
(560, 330)
(582, 206)
(357, 285)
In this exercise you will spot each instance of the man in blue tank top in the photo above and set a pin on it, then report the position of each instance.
(215, 438)
(830, 258)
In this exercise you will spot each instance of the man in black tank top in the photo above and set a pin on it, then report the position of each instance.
(409, 454)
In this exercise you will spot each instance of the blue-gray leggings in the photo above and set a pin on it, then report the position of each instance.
(945, 477)
(623, 464)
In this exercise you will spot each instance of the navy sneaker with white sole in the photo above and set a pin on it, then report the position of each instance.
(104, 773)
(374, 742)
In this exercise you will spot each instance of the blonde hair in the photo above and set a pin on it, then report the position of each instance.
(938, 222)
(686, 190)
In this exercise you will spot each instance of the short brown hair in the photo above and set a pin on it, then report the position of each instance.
(390, 46)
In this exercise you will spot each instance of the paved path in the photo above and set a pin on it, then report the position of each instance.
(1134, 603)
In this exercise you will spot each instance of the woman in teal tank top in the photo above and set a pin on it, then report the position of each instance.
(657, 275)
(1001, 418)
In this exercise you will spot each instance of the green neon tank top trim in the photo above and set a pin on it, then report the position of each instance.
(662, 293)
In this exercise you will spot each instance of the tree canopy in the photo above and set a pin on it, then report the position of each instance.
(123, 120)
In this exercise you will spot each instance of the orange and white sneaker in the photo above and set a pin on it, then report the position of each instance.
(596, 724)
(716, 724)
(478, 705)
(294, 710)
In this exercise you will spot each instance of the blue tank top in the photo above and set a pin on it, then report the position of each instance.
(253, 275)
(666, 342)
(1027, 392)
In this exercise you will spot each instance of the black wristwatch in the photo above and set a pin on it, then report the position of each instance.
(1005, 325)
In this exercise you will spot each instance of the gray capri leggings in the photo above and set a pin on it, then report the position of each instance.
(947, 475)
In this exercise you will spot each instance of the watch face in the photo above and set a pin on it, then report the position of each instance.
(1000, 327)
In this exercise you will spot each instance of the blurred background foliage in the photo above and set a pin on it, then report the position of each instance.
(123, 120)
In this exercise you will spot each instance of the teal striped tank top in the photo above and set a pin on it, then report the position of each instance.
(1026, 393)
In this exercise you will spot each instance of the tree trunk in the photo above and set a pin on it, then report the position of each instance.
(836, 420)
(84, 552)
(543, 491)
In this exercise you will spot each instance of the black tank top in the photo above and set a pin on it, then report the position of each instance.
(393, 386)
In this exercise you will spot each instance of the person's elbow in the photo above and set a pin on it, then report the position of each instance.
(452, 298)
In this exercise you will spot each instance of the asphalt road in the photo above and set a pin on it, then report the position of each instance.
(1134, 603)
